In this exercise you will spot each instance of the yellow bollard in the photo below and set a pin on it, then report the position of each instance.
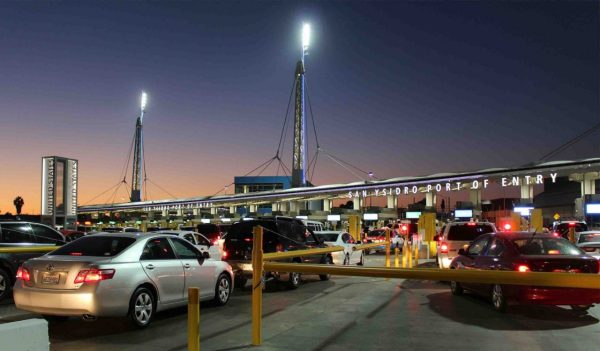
(257, 282)
(410, 256)
(404, 254)
(387, 247)
(572, 234)
(396, 258)
(417, 255)
(193, 319)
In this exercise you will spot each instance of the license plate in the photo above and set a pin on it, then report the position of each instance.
(246, 267)
(50, 278)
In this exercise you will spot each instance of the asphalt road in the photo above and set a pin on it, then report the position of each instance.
(345, 313)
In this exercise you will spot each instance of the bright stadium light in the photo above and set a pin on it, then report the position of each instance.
(144, 100)
(305, 36)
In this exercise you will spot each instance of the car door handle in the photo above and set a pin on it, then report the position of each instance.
(150, 266)
(186, 266)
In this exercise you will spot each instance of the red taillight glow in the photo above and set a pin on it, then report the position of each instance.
(523, 268)
(224, 255)
(556, 234)
(94, 275)
(444, 248)
(507, 226)
(404, 228)
(76, 254)
(553, 252)
(23, 274)
(248, 239)
(572, 224)
(471, 223)
(279, 248)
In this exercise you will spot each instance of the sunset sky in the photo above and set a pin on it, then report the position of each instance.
(397, 88)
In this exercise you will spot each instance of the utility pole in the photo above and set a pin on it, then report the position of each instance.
(138, 154)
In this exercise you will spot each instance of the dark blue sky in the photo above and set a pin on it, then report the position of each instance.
(399, 88)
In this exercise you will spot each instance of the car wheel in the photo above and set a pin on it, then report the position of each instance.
(498, 298)
(240, 282)
(346, 260)
(456, 288)
(328, 260)
(362, 259)
(222, 290)
(142, 307)
(4, 284)
(293, 280)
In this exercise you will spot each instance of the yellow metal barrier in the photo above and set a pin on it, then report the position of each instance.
(257, 285)
(396, 257)
(367, 246)
(565, 280)
(387, 247)
(18, 249)
(297, 253)
(193, 319)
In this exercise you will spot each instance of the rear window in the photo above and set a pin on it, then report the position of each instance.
(377, 233)
(467, 232)
(103, 246)
(589, 238)
(210, 231)
(326, 237)
(546, 246)
(563, 228)
(244, 229)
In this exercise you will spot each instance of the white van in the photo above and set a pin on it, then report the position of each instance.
(458, 235)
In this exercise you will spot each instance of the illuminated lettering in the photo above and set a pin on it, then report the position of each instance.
(485, 183)
(364, 193)
(438, 187)
(448, 185)
(539, 179)
(553, 176)
(504, 181)
(475, 184)
(405, 190)
(527, 179)
(429, 187)
(515, 181)
(414, 189)
(398, 191)
(377, 192)
(458, 184)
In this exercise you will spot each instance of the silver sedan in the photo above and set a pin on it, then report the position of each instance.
(346, 257)
(120, 274)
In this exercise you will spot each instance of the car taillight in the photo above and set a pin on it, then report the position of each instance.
(523, 268)
(224, 255)
(444, 248)
(471, 223)
(217, 240)
(507, 227)
(589, 249)
(279, 248)
(94, 275)
(23, 274)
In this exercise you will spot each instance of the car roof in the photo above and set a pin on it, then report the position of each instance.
(317, 232)
(522, 235)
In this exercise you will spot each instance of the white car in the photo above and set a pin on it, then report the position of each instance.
(456, 236)
(589, 242)
(199, 240)
(346, 257)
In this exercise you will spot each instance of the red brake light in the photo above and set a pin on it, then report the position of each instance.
(224, 255)
(279, 248)
(471, 223)
(94, 275)
(572, 224)
(444, 248)
(523, 268)
(556, 234)
(404, 228)
(76, 254)
(507, 226)
(248, 239)
(23, 274)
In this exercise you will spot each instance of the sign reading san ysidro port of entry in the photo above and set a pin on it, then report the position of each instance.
(453, 186)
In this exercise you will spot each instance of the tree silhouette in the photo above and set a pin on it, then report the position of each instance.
(19, 202)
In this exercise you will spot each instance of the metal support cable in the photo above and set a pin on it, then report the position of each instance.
(104, 192)
(126, 165)
(312, 116)
(287, 112)
(161, 188)
(571, 142)
(343, 166)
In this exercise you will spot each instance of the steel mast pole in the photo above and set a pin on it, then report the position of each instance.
(138, 154)
(299, 157)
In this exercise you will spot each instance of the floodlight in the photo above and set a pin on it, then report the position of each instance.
(144, 100)
(305, 35)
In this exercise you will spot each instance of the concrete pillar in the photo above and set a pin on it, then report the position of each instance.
(165, 214)
(196, 211)
(274, 207)
(430, 199)
(213, 210)
(588, 183)
(475, 198)
(245, 189)
(392, 201)
(327, 205)
(526, 189)
(356, 203)
(253, 208)
(283, 207)
(180, 213)
(294, 206)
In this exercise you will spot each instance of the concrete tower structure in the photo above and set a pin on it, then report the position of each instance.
(137, 177)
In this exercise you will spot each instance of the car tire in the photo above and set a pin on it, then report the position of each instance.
(222, 290)
(240, 282)
(142, 307)
(498, 298)
(5, 284)
(294, 280)
(346, 260)
(456, 288)
(581, 308)
(328, 260)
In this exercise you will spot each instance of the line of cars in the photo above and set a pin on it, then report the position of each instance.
(135, 275)
(479, 246)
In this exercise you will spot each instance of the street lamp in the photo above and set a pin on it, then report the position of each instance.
(144, 100)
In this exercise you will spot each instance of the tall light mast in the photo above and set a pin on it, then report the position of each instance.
(138, 154)
(299, 158)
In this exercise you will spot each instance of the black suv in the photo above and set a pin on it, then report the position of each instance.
(279, 234)
(22, 234)
(562, 227)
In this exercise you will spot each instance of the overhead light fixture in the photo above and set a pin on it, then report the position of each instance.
(144, 101)
(305, 36)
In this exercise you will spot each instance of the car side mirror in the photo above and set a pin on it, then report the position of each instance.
(462, 252)
(358, 242)
(205, 255)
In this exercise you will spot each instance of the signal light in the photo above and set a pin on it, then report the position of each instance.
(444, 248)
(404, 228)
(23, 274)
(94, 275)
(507, 227)
(523, 268)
